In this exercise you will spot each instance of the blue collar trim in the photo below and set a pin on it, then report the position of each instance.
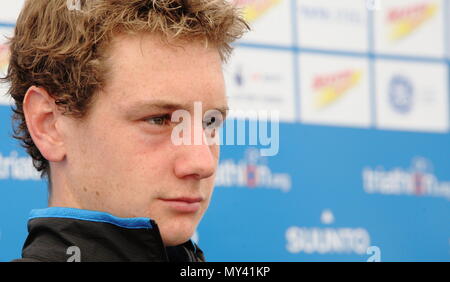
(96, 216)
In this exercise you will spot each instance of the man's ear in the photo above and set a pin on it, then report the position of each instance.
(42, 115)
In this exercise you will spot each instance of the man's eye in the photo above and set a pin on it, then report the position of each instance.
(214, 121)
(159, 120)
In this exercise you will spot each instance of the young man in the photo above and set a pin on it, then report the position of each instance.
(95, 83)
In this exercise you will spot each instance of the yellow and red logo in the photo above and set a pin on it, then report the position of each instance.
(405, 20)
(4, 58)
(331, 87)
(254, 9)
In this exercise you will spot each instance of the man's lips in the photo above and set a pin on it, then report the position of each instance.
(184, 199)
(183, 204)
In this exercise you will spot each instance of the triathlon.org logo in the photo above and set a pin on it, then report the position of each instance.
(401, 94)
(329, 240)
(418, 180)
(18, 168)
(253, 172)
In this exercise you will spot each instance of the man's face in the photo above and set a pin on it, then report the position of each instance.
(121, 158)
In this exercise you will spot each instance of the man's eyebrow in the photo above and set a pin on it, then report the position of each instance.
(156, 105)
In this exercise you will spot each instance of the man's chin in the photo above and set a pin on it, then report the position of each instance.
(175, 237)
(177, 229)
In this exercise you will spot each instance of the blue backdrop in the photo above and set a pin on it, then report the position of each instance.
(362, 172)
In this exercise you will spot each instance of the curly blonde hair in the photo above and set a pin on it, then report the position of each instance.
(63, 50)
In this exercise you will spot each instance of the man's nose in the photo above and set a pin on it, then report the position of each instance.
(196, 160)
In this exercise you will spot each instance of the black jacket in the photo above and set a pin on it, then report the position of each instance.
(67, 234)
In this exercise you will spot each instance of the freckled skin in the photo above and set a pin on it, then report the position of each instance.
(131, 163)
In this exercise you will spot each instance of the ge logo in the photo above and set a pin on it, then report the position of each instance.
(375, 253)
(74, 5)
(75, 254)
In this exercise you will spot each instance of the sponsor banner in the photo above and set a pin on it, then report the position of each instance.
(334, 90)
(4, 60)
(10, 10)
(326, 239)
(407, 101)
(410, 27)
(260, 80)
(417, 180)
(329, 193)
(13, 167)
(327, 24)
(252, 172)
(270, 21)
